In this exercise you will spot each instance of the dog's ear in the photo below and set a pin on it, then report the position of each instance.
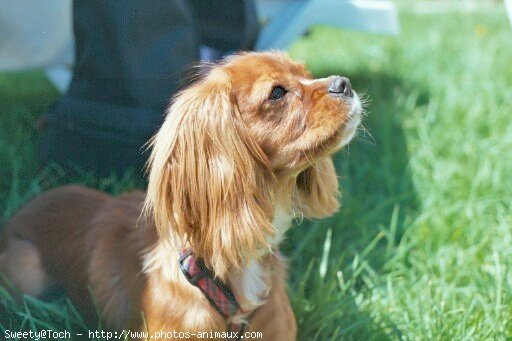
(317, 189)
(209, 182)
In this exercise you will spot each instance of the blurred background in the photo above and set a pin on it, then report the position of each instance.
(422, 245)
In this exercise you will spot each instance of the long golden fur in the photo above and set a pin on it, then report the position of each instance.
(234, 162)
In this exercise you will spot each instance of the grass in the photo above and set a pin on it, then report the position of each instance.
(422, 247)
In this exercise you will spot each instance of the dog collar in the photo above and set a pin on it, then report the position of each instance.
(216, 292)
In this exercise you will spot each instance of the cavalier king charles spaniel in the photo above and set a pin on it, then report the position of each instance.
(242, 151)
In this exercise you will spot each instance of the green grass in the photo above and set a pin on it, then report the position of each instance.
(422, 246)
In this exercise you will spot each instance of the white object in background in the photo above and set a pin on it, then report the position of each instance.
(37, 34)
(60, 76)
(286, 20)
(508, 6)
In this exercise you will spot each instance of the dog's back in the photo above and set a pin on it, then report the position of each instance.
(52, 239)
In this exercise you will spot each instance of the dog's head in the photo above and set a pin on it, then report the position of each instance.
(250, 126)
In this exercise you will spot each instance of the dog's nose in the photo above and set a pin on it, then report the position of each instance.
(340, 86)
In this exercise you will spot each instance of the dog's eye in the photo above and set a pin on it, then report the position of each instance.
(277, 93)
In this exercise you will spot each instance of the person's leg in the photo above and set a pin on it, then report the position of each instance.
(226, 25)
(129, 59)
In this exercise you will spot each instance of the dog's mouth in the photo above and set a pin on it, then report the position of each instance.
(346, 132)
(350, 128)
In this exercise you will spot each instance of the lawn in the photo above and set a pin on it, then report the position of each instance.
(422, 246)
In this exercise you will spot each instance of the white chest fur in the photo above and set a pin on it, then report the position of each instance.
(253, 282)
(281, 223)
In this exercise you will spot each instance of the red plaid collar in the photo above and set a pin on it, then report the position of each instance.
(217, 293)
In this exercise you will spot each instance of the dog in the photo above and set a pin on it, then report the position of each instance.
(242, 151)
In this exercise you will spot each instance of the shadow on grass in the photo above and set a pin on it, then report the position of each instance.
(378, 200)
